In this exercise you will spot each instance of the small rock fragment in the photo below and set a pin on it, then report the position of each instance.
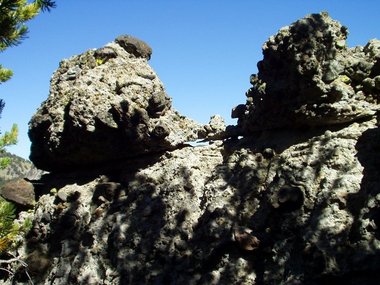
(245, 239)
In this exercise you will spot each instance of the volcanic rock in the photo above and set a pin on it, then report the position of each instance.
(287, 205)
(309, 77)
(105, 105)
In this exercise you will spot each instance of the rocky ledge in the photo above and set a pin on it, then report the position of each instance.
(295, 199)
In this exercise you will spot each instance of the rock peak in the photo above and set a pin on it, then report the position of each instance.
(104, 105)
(309, 77)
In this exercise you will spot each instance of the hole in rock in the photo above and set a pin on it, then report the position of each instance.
(290, 199)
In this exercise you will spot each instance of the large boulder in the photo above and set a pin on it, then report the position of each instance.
(19, 191)
(309, 77)
(104, 105)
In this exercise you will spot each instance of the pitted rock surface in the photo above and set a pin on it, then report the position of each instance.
(105, 105)
(309, 77)
(284, 206)
(301, 206)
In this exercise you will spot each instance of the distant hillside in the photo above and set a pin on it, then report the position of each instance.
(19, 167)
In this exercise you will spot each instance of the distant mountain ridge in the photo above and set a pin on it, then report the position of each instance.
(18, 168)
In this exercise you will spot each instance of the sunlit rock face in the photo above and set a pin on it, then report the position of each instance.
(309, 77)
(293, 197)
(105, 105)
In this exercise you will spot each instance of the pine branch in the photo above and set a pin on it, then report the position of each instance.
(46, 5)
(13, 15)
(5, 74)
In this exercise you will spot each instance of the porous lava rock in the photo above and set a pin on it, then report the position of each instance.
(309, 77)
(105, 105)
(285, 206)
(220, 214)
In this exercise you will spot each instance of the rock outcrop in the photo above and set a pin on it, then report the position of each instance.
(309, 77)
(106, 105)
(296, 200)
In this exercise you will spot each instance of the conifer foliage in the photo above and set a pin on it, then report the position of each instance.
(7, 230)
(10, 232)
(9, 138)
(13, 16)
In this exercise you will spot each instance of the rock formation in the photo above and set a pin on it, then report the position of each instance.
(106, 105)
(295, 200)
(309, 77)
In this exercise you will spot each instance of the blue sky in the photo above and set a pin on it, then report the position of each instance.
(203, 50)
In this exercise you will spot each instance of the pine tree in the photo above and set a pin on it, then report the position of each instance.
(9, 138)
(13, 16)
(7, 228)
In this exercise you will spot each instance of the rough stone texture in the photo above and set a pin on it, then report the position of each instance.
(19, 191)
(104, 105)
(287, 206)
(309, 77)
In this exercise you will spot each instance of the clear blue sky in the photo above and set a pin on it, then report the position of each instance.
(203, 50)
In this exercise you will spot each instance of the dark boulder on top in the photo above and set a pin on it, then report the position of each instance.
(134, 46)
